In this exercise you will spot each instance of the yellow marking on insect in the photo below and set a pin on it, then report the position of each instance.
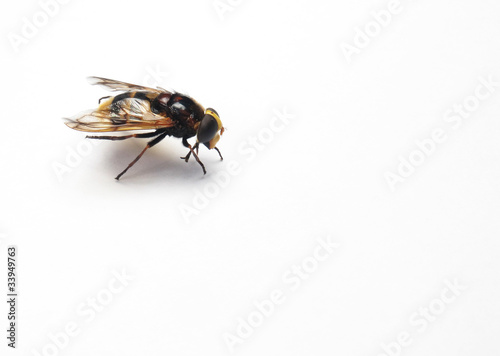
(105, 103)
(217, 118)
(213, 142)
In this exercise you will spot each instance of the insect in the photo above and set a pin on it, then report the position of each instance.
(159, 111)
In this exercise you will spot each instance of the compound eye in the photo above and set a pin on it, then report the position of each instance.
(208, 128)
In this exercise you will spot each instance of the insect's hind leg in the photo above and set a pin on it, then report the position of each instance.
(149, 145)
(117, 138)
(104, 97)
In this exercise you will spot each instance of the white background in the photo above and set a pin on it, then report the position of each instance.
(324, 174)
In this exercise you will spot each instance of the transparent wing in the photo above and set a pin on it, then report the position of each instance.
(125, 115)
(116, 85)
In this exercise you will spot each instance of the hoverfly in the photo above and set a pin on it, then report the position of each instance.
(141, 108)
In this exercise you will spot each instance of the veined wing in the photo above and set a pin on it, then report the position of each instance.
(116, 85)
(125, 115)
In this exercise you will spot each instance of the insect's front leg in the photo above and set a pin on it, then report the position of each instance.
(191, 151)
(215, 148)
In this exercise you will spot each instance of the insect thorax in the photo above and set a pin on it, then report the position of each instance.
(186, 113)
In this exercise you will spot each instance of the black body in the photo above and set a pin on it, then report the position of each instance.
(181, 109)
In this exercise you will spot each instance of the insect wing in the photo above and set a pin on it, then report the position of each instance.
(116, 85)
(125, 115)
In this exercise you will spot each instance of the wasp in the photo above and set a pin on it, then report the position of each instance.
(161, 112)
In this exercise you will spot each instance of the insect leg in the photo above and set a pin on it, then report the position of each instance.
(219, 153)
(104, 97)
(191, 150)
(114, 138)
(186, 158)
(149, 145)
(186, 144)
